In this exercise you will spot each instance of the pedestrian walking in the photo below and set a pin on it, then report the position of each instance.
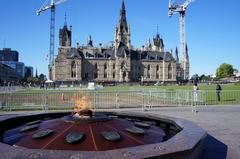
(218, 92)
(195, 97)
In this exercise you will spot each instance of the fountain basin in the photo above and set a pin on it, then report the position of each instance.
(183, 139)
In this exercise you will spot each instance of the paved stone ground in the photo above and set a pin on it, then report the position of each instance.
(221, 122)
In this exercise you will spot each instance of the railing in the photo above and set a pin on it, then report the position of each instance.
(142, 99)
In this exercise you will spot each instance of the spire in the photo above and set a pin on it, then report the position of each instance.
(65, 19)
(36, 75)
(65, 35)
(123, 20)
(123, 7)
(176, 52)
(123, 35)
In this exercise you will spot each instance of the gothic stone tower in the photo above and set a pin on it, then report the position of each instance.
(123, 34)
(65, 36)
(123, 47)
(158, 43)
(67, 67)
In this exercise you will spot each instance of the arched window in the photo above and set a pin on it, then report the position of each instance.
(105, 66)
(148, 71)
(96, 71)
(73, 69)
(105, 70)
(157, 68)
(96, 66)
(114, 65)
(149, 67)
(113, 74)
(157, 72)
(169, 71)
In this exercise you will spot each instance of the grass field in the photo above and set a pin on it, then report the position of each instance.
(129, 88)
(201, 87)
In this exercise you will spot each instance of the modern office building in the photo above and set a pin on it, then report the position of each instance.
(9, 55)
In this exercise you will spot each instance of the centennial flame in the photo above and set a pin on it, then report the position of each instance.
(82, 106)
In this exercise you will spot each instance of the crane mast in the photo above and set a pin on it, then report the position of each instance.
(181, 9)
(52, 7)
(52, 35)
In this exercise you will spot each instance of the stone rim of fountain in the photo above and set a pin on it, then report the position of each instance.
(189, 141)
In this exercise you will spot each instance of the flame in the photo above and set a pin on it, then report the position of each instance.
(82, 105)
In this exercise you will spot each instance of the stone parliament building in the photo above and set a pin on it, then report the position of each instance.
(118, 63)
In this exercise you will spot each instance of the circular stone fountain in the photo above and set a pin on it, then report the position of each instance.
(99, 135)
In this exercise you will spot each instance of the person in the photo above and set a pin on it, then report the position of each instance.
(195, 97)
(218, 92)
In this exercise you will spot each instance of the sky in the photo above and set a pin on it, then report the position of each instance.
(212, 28)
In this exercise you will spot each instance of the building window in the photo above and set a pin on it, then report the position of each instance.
(105, 66)
(105, 70)
(73, 69)
(105, 74)
(95, 75)
(169, 71)
(96, 66)
(86, 75)
(148, 71)
(113, 74)
(149, 67)
(157, 72)
(114, 65)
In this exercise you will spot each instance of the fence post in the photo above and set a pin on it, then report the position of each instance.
(94, 100)
(142, 92)
(116, 100)
(150, 103)
(10, 95)
(45, 101)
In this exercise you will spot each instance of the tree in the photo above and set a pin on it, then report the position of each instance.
(205, 78)
(224, 70)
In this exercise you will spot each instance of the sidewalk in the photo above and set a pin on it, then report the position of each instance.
(221, 122)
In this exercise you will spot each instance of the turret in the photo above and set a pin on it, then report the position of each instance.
(176, 55)
(158, 43)
(65, 36)
(90, 41)
(149, 45)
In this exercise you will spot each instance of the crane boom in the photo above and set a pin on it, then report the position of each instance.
(185, 5)
(52, 7)
(52, 4)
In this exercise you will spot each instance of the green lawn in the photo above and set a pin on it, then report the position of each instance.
(128, 88)
(201, 87)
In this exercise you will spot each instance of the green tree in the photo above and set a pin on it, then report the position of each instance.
(224, 70)
(205, 78)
